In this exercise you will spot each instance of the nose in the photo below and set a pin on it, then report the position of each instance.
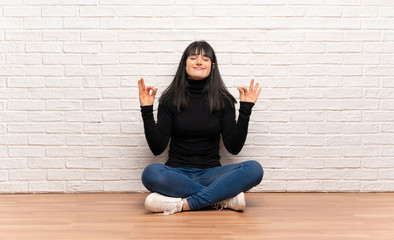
(199, 60)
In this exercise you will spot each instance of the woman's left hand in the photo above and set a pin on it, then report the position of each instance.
(250, 95)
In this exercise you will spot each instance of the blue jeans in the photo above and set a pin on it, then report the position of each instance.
(202, 187)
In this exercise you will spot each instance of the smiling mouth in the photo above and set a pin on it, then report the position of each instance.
(199, 68)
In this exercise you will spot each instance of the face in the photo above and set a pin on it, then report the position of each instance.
(198, 67)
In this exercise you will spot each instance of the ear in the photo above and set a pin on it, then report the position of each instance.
(213, 65)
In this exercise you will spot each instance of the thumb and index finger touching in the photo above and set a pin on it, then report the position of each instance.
(142, 87)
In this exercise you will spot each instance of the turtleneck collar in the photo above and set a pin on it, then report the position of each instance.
(196, 86)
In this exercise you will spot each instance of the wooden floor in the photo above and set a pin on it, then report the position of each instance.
(282, 216)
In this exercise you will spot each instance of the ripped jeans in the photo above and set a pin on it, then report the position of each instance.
(202, 187)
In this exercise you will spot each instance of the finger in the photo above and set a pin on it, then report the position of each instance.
(258, 93)
(241, 92)
(154, 92)
(149, 88)
(251, 85)
(256, 87)
(244, 89)
(140, 86)
(143, 84)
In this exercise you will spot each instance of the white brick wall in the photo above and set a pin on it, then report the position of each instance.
(69, 111)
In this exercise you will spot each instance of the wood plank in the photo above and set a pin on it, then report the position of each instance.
(268, 216)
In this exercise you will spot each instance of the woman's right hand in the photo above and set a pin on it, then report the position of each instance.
(147, 94)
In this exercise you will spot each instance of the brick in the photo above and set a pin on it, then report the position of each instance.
(45, 140)
(101, 105)
(102, 175)
(292, 152)
(51, 163)
(305, 186)
(100, 59)
(136, 35)
(47, 187)
(61, 35)
(139, 11)
(328, 174)
(26, 59)
(342, 186)
(14, 187)
(79, 2)
(77, 163)
(131, 175)
(68, 82)
(119, 70)
(325, 105)
(269, 140)
(45, 116)
(101, 82)
(101, 128)
(80, 23)
(344, 116)
(63, 152)
(12, 71)
(325, 152)
(305, 141)
(96, 11)
(287, 105)
(120, 117)
(377, 186)
(306, 116)
(24, 36)
(82, 94)
(64, 175)
(361, 104)
(100, 152)
(63, 128)
(83, 187)
(83, 140)
(93, 117)
(47, 71)
(45, 93)
(23, 105)
(26, 152)
(28, 175)
(342, 163)
(343, 140)
(59, 11)
(60, 105)
(121, 163)
(85, 71)
(55, 59)
(361, 151)
(25, 128)
(80, 47)
(287, 128)
(42, 23)
(124, 186)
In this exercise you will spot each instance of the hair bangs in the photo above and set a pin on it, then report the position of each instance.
(201, 48)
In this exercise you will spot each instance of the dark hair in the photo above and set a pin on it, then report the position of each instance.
(215, 91)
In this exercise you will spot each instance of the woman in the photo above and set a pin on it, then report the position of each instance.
(193, 112)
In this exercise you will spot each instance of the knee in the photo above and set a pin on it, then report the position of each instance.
(150, 174)
(256, 171)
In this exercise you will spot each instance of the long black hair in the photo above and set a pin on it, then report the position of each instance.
(215, 91)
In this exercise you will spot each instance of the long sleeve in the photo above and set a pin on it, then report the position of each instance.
(157, 134)
(234, 133)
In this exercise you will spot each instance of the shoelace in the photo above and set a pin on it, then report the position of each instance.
(171, 207)
(220, 205)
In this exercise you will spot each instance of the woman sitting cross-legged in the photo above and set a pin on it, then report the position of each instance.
(193, 113)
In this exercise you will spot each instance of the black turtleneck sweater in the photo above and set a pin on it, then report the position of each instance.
(195, 133)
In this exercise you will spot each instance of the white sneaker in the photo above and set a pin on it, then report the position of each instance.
(156, 202)
(237, 203)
